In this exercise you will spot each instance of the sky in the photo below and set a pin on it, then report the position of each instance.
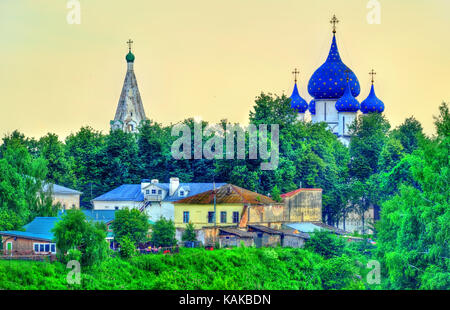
(210, 58)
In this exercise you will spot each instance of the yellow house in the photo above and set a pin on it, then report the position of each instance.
(231, 205)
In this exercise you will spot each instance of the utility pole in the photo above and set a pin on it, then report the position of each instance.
(214, 191)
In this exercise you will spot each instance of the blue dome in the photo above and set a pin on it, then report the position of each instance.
(298, 103)
(330, 80)
(372, 103)
(312, 107)
(347, 103)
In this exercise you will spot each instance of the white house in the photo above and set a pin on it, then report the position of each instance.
(151, 196)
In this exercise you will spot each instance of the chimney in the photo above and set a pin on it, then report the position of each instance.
(174, 184)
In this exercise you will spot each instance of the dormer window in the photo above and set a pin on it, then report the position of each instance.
(181, 193)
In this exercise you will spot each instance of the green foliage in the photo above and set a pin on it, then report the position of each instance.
(131, 224)
(415, 222)
(163, 233)
(195, 269)
(189, 233)
(276, 194)
(76, 232)
(127, 247)
(326, 244)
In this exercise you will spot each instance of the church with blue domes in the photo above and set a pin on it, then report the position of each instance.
(334, 88)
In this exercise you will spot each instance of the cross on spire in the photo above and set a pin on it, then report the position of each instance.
(334, 21)
(129, 42)
(295, 73)
(373, 73)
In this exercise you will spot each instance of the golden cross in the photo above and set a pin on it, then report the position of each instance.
(295, 73)
(334, 21)
(373, 73)
(129, 42)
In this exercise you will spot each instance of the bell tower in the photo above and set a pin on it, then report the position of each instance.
(130, 111)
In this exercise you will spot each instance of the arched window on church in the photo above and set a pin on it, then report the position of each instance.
(130, 128)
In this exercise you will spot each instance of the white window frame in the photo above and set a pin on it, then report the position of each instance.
(39, 247)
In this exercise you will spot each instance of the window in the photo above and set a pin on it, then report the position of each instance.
(236, 217)
(181, 193)
(223, 217)
(210, 217)
(153, 191)
(9, 246)
(159, 192)
(325, 110)
(117, 208)
(147, 192)
(44, 247)
(186, 217)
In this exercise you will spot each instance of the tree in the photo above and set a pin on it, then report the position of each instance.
(163, 233)
(58, 163)
(276, 194)
(415, 222)
(21, 178)
(369, 134)
(442, 121)
(131, 224)
(127, 247)
(189, 233)
(409, 134)
(326, 244)
(74, 232)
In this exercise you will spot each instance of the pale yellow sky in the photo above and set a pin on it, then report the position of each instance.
(210, 58)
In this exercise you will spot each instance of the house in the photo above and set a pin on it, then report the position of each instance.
(37, 237)
(35, 240)
(152, 197)
(269, 237)
(230, 236)
(304, 205)
(67, 197)
(233, 208)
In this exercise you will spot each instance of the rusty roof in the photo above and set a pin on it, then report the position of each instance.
(265, 229)
(237, 232)
(229, 193)
(290, 194)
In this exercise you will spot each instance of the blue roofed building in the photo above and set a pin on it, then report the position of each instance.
(152, 197)
(37, 237)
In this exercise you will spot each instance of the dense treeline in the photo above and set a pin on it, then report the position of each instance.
(401, 172)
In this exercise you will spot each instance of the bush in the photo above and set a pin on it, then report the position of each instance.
(163, 233)
(326, 244)
(189, 233)
(127, 248)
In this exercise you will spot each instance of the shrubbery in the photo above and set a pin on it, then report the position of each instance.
(233, 269)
